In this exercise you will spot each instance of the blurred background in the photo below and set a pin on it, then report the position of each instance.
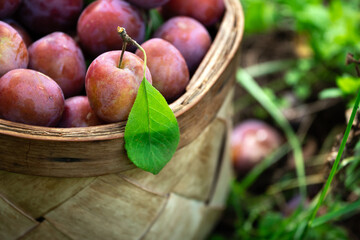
(296, 81)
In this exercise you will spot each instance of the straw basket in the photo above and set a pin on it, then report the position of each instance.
(78, 183)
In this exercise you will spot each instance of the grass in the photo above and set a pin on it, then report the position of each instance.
(255, 222)
(256, 91)
(329, 31)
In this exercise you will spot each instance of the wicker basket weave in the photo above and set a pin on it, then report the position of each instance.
(79, 184)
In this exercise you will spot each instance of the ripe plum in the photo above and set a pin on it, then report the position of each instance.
(78, 113)
(46, 16)
(147, 4)
(58, 56)
(189, 36)
(169, 72)
(252, 141)
(30, 97)
(98, 23)
(13, 52)
(207, 12)
(8, 7)
(112, 89)
(23, 33)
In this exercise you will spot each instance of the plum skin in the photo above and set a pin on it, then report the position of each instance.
(148, 4)
(30, 97)
(78, 113)
(208, 12)
(169, 72)
(46, 16)
(58, 56)
(189, 36)
(251, 141)
(23, 33)
(13, 51)
(8, 7)
(98, 22)
(112, 90)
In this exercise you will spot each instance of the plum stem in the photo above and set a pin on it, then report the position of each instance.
(127, 39)
(122, 53)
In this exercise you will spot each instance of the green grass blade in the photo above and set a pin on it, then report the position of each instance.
(262, 166)
(337, 161)
(270, 67)
(255, 90)
(351, 208)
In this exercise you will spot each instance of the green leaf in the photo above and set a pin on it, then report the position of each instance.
(152, 132)
(154, 22)
(348, 84)
(330, 93)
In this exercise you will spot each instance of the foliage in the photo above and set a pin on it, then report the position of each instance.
(250, 85)
(256, 218)
(328, 30)
(152, 132)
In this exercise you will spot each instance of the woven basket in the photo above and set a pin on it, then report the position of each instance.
(78, 183)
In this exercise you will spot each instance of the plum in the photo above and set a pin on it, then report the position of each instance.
(169, 72)
(112, 89)
(46, 16)
(78, 113)
(189, 36)
(30, 97)
(23, 33)
(147, 4)
(251, 141)
(13, 51)
(98, 22)
(58, 56)
(8, 7)
(208, 12)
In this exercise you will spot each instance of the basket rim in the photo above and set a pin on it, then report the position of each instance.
(188, 100)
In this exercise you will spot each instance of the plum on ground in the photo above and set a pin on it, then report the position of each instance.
(251, 141)
(58, 56)
(169, 72)
(189, 36)
(13, 51)
(112, 89)
(28, 96)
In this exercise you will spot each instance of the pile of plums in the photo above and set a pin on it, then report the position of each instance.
(59, 60)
